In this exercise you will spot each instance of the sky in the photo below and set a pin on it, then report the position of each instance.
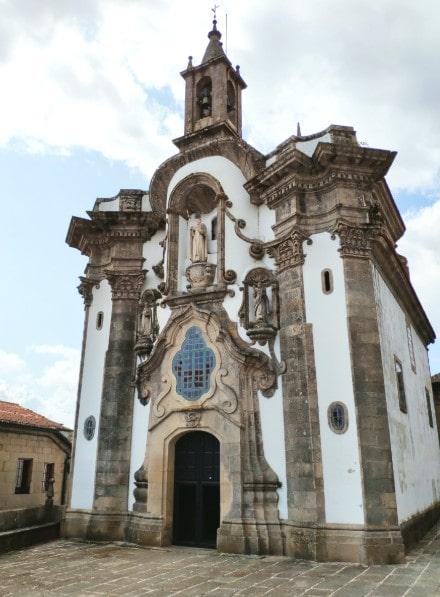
(92, 97)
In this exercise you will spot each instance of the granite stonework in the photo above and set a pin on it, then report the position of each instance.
(261, 339)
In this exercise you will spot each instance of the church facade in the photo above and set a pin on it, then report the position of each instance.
(254, 372)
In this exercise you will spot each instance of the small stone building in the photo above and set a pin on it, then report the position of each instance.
(33, 450)
(255, 373)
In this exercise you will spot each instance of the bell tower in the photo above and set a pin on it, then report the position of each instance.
(213, 90)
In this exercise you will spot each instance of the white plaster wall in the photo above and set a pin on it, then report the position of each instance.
(139, 437)
(414, 444)
(327, 312)
(83, 484)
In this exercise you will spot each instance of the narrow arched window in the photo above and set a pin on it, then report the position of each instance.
(214, 228)
(327, 281)
(99, 320)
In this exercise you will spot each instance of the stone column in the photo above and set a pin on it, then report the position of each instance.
(382, 540)
(301, 416)
(114, 443)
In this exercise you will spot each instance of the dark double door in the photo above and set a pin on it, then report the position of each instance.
(196, 490)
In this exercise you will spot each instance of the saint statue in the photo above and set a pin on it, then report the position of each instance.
(146, 323)
(261, 304)
(198, 242)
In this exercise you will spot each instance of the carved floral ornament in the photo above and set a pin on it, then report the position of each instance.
(288, 250)
(125, 284)
(355, 240)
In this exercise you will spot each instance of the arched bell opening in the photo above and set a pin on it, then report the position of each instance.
(204, 97)
(196, 510)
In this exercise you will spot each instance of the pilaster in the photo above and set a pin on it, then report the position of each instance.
(380, 506)
(301, 416)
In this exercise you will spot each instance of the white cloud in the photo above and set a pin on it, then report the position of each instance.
(49, 388)
(10, 362)
(86, 74)
(421, 245)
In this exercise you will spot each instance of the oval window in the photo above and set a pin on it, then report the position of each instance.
(89, 427)
(338, 417)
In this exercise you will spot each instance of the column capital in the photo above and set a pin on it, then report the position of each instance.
(125, 284)
(356, 240)
(85, 289)
(288, 249)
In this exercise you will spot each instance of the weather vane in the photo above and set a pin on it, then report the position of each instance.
(214, 10)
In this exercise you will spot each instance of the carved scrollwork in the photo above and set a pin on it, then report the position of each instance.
(85, 289)
(125, 285)
(229, 401)
(288, 250)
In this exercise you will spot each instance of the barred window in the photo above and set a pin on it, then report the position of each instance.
(400, 385)
(24, 475)
(193, 365)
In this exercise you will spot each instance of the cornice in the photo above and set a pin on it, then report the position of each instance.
(332, 164)
(107, 227)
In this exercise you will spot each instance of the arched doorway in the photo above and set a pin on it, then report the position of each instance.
(196, 490)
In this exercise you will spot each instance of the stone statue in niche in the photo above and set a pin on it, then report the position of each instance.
(259, 312)
(261, 304)
(148, 326)
(200, 274)
(198, 241)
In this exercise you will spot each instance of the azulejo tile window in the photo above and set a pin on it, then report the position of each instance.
(193, 365)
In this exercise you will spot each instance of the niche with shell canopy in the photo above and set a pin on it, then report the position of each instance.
(196, 208)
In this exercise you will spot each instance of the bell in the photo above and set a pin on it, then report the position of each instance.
(205, 100)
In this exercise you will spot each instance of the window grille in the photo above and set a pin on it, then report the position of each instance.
(338, 417)
(400, 385)
(193, 365)
(24, 475)
(429, 407)
(48, 474)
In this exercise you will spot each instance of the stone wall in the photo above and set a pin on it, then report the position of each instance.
(42, 449)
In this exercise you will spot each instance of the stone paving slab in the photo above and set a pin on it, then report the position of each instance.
(98, 569)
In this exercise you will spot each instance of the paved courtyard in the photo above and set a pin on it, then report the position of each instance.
(78, 568)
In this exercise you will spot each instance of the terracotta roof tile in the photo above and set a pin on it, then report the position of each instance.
(14, 413)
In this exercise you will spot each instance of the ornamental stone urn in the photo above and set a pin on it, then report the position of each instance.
(200, 275)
